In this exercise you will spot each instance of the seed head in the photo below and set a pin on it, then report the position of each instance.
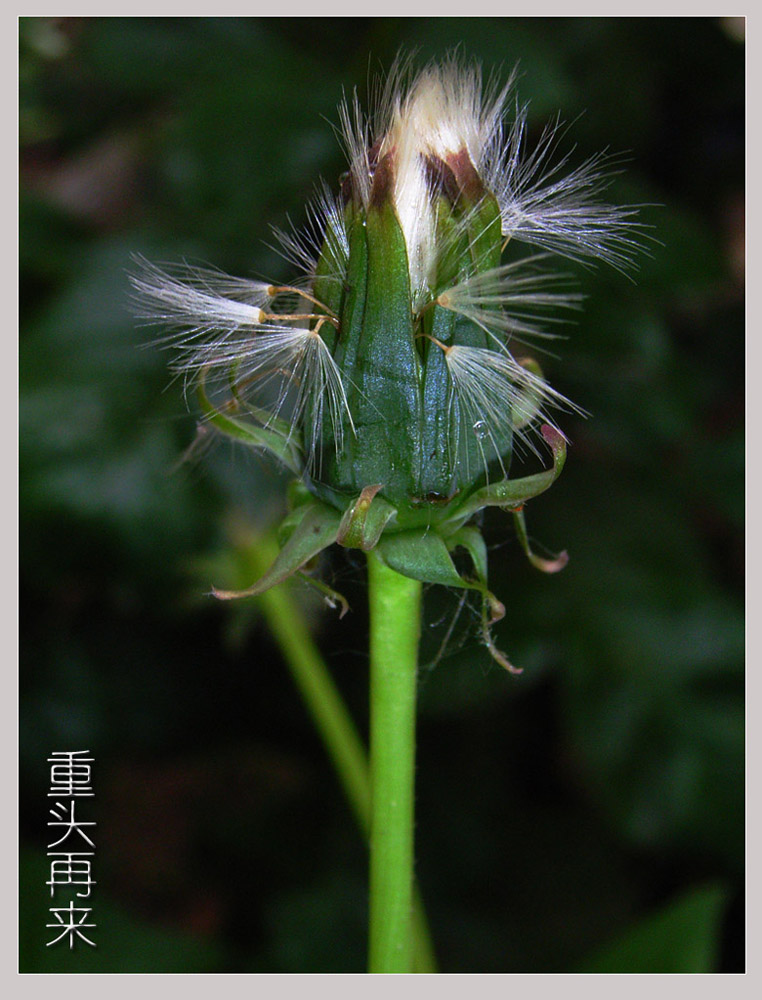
(395, 367)
(438, 181)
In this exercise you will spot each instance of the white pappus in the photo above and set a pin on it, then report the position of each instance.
(282, 336)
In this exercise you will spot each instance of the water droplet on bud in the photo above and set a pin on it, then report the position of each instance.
(480, 429)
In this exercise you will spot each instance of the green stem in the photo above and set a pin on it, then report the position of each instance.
(330, 715)
(395, 615)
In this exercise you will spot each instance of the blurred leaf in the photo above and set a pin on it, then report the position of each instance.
(653, 687)
(684, 937)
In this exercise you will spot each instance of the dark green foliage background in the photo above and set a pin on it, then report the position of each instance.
(588, 815)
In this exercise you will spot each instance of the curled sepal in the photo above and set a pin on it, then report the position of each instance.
(492, 609)
(331, 597)
(285, 449)
(545, 565)
(317, 528)
(291, 522)
(512, 493)
(497, 655)
(364, 521)
(471, 540)
(425, 556)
